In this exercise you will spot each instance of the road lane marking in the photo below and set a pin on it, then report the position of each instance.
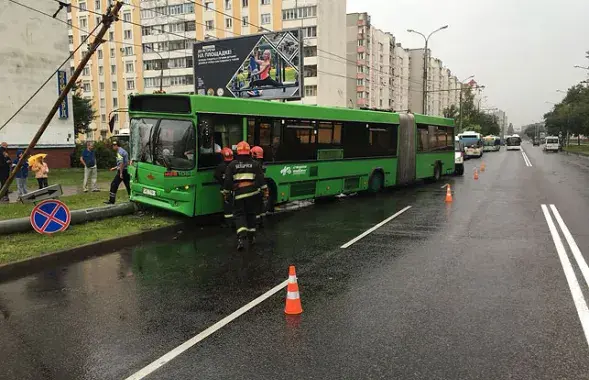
(364, 234)
(158, 363)
(526, 159)
(572, 244)
(569, 273)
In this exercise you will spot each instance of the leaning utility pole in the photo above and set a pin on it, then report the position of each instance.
(107, 20)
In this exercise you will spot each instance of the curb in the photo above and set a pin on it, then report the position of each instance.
(35, 264)
(576, 154)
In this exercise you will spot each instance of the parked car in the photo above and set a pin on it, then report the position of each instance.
(458, 158)
(536, 142)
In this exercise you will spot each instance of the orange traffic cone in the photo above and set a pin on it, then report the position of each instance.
(448, 194)
(476, 173)
(293, 298)
(482, 166)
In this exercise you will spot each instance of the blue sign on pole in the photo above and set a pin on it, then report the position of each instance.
(50, 216)
(61, 83)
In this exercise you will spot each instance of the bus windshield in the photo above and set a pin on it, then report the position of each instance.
(163, 142)
(470, 140)
(513, 141)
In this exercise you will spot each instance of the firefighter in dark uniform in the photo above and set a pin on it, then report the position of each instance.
(245, 178)
(258, 155)
(227, 154)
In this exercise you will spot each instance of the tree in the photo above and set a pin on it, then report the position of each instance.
(571, 115)
(510, 130)
(451, 112)
(84, 113)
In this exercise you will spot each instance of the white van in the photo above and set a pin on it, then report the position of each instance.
(552, 144)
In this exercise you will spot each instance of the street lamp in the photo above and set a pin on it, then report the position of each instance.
(547, 102)
(425, 60)
(581, 67)
(564, 92)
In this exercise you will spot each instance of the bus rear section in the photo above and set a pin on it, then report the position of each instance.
(473, 144)
(552, 144)
(491, 144)
(513, 142)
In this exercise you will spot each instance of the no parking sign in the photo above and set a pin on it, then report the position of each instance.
(50, 216)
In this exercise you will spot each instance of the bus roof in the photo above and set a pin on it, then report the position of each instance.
(255, 107)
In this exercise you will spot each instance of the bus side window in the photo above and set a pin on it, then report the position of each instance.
(356, 140)
(422, 138)
(298, 140)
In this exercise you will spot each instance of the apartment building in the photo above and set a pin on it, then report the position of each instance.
(401, 78)
(32, 47)
(151, 46)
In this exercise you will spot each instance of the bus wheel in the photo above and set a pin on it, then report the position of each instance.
(376, 182)
(459, 170)
(437, 172)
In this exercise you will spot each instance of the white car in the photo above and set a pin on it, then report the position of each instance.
(552, 144)
(458, 158)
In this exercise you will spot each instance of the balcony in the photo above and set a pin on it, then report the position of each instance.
(360, 75)
(360, 88)
(362, 102)
(361, 49)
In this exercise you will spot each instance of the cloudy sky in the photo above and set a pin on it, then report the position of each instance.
(521, 50)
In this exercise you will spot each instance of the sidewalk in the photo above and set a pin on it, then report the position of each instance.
(68, 190)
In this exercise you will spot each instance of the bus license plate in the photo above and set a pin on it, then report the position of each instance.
(149, 192)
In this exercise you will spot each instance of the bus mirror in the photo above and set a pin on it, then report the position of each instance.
(111, 124)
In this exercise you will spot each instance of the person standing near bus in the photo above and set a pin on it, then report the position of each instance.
(258, 155)
(227, 154)
(122, 174)
(245, 178)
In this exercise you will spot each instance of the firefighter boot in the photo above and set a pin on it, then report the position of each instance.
(240, 243)
(251, 238)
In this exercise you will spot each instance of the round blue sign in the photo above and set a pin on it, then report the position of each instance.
(50, 216)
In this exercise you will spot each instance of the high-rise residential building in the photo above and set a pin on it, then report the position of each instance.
(151, 46)
(401, 79)
(33, 46)
(371, 54)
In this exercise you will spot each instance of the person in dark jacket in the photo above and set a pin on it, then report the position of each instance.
(227, 154)
(22, 174)
(5, 165)
(245, 178)
(258, 155)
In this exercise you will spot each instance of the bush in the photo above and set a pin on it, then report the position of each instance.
(106, 158)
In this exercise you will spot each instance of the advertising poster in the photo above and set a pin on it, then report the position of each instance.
(262, 66)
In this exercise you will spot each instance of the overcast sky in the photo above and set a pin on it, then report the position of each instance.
(521, 50)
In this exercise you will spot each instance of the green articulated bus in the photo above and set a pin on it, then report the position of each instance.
(309, 151)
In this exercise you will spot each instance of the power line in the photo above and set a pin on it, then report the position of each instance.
(55, 72)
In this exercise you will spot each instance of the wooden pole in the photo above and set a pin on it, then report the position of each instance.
(107, 20)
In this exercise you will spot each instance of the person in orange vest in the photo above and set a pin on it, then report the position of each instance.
(258, 155)
(245, 178)
(227, 154)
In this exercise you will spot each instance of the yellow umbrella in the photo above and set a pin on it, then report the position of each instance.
(36, 157)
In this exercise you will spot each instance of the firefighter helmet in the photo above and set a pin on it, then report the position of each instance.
(227, 154)
(257, 152)
(243, 148)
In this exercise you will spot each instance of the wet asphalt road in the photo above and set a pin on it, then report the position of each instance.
(470, 290)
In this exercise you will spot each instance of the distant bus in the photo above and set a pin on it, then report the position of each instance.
(513, 142)
(491, 143)
(309, 151)
(473, 143)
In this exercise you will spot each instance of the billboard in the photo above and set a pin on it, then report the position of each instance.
(261, 66)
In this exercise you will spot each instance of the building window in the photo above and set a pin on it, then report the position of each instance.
(113, 69)
(102, 103)
(100, 70)
(266, 19)
(209, 5)
(265, 2)
(99, 53)
(98, 19)
(127, 16)
(97, 5)
(127, 35)
(83, 22)
(310, 51)
(299, 13)
(86, 71)
(129, 67)
(209, 25)
(113, 86)
(103, 118)
(229, 23)
(111, 36)
(310, 90)
(245, 21)
(228, 4)
(83, 38)
(310, 32)
(112, 52)
(83, 6)
(130, 84)
(115, 102)
(245, 3)
(128, 50)
(86, 86)
(71, 39)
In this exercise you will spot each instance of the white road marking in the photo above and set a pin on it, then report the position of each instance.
(526, 159)
(374, 228)
(572, 244)
(150, 368)
(575, 288)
